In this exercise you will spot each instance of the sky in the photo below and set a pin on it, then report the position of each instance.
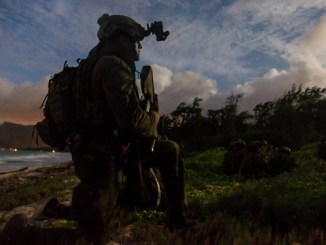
(216, 48)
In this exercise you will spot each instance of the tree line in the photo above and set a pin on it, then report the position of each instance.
(295, 119)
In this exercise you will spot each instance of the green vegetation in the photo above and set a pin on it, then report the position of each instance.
(287, 209)
(34, 190)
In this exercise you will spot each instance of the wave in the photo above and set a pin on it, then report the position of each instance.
(10, 161)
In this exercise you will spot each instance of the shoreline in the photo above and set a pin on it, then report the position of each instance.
(11, 181)
(39, 169)
(11, 161)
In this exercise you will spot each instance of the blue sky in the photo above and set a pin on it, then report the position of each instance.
(258, 48)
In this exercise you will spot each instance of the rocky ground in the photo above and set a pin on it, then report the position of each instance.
(21, 225)
(14, 180)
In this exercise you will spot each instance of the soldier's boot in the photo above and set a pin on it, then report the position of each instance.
(15, 225)
(176, 208)
(17, 221)
(176, 217)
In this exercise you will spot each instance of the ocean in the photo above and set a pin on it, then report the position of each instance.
(11, 160)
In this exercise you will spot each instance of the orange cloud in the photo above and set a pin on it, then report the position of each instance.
(20, 103)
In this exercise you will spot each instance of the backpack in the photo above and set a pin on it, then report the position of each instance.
(65, 103)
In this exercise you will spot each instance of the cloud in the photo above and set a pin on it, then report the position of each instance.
(20, 103)
(313, 44)
(162, 77)
(208, 41)
(224, 41)
(174, 89)
(307, 59)
(307, 68)
(211, 38)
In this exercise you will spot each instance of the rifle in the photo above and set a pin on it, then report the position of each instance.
(147, 177)
(150, 98)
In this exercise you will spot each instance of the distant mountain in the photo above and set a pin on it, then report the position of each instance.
(17, 136)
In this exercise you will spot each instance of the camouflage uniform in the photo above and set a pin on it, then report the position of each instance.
(233, 157)
(282, 162)
(114, 118)
(255, 164)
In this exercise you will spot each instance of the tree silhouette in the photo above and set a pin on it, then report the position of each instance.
(295, 119)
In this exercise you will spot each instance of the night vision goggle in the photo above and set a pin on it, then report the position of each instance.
(156, 28)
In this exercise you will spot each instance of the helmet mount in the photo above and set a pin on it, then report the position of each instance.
(110, 24)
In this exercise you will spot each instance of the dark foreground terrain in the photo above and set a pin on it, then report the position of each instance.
(289, 208)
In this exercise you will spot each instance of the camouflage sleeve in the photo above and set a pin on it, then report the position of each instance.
(116, 79)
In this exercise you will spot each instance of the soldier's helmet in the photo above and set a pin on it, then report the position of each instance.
(110, 24)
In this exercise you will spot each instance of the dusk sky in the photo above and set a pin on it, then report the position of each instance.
(258, 48)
